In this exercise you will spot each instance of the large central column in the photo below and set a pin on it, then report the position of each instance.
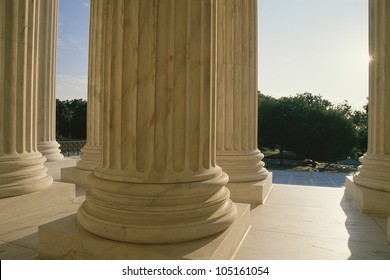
(47, 46)
(237, 151)
(158, 181)
(372, 182)
(21, 164)
(91, 152)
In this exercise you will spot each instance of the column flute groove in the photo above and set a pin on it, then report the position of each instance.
(47, 49)
(374, 173)
(140, 193)
(21, 164)
(92, 151)
(237, 151)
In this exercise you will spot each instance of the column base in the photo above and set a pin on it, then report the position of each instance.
(23, 174)
(146, 213)
(76, 176)
(90, 157)
(57, 193)
(368, 200)
(251, 192)
(51, 150)
(66, 239)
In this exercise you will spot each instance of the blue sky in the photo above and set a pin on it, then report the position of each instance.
(317, 46)
(72, 50)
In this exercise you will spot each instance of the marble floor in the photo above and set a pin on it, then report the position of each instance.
(302, 178)
(300, 222)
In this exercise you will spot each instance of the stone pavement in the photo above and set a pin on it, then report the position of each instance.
(305, 178)
(296, 222)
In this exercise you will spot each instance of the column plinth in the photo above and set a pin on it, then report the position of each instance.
(237, 152)
(158, 181)
(370, 186)
(47, 47)
(21, 165)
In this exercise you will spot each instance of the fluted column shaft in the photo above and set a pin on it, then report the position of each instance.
(237, 151)
(91, 152)
(374, 173)
(21, 164)
(47, 46)
(158, 181)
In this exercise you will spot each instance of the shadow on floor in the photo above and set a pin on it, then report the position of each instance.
(20, 249)
(367, 233)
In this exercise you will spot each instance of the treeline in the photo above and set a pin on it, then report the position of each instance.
(312, 127)
(71, 119)
(306, 124)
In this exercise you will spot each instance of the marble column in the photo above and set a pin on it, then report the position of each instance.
(91, 152)
(21, 164)
(373, 178)
(47, 46)
(237, 151)
(158, 181)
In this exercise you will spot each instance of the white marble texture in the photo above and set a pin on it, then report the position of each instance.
(236, 85)
(374, 173)
(158, 181)
(92, 151)
(46, 75)
(21, 164)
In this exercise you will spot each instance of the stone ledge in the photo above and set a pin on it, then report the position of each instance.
(251, 192)
(388, 230)
(368, 200)
(76, 176)
(66, 239)
(57, 193)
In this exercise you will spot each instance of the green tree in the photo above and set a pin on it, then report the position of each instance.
(307, 124)
(71, 119)
(360, 120)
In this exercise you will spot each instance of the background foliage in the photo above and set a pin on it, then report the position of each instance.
(309, 125)
(312, 127)
(71, 119)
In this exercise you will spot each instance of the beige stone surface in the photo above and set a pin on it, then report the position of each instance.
(251, 192)
(46, 75)
(368, 200)
(388, 230)
(22, 230)
(21, 164)
(374, 173)
(302, 222)
(58, 193)
(54, 167)
(272, 236)
(21, 215)
(73, 242)
(91, 153)
(76, 176)
(9, 251)
(158, 181)
(237, 151)
(19, 236)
